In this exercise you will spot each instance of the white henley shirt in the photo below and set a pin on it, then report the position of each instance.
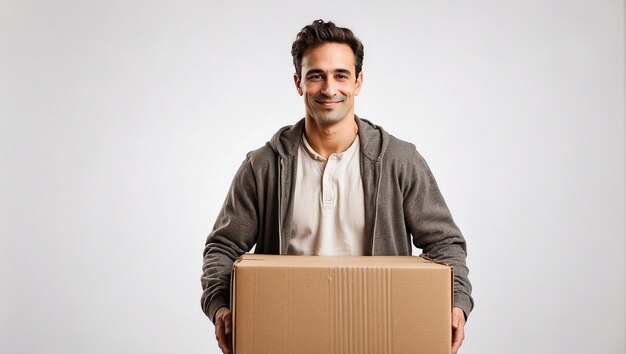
(329, 207)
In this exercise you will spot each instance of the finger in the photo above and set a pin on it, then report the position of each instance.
(222, 341)
(224, 344)
(457, 338)
(226, 348)
(218, 328)
(228, 327)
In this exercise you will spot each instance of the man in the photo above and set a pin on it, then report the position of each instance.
(332, 184)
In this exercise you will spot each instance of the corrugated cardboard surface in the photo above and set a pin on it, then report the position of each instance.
(341, 305)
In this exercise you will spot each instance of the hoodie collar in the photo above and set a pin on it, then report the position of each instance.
(373, 138)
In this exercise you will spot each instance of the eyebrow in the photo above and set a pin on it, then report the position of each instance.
(336, 71)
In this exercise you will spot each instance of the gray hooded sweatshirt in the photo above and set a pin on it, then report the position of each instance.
(402, 205)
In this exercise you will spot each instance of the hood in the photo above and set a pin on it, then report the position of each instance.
(374, 139)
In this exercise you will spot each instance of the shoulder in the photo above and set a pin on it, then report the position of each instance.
(377, 142)
(403, 161)
(398, 147)
(283, 143)
(262, 158)
(403, 152)
(262, 163)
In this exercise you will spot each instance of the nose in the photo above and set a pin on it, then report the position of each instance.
(329, 89)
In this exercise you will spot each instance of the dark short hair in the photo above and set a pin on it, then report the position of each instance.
(320, 32)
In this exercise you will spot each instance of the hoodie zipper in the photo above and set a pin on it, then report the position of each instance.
(379, 167)
(280, 208)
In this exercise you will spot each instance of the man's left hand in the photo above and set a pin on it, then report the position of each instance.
(458, 328)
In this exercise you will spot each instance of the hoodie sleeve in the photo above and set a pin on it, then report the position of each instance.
(430, 223)
(234, 233)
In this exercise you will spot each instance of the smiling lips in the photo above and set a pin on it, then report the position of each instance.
(328, 103)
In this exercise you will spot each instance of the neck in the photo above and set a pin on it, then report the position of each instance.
(327, 140)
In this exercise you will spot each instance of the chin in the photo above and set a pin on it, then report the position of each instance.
(326, 119)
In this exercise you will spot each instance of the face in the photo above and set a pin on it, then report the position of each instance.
(328, 83)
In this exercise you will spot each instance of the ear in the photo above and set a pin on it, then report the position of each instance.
(296, 80)
(359, 83)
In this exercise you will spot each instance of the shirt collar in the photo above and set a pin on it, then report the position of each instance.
(315, 156)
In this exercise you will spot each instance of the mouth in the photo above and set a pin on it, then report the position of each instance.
(328, 104)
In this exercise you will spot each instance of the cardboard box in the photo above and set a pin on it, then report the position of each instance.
(341, 305)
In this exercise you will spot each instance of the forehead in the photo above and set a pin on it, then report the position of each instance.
(329, 56)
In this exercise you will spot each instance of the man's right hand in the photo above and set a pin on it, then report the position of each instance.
(224, 329)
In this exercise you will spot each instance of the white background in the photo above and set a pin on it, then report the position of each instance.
(123, 122)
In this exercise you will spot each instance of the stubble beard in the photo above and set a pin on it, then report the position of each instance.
(329, 117)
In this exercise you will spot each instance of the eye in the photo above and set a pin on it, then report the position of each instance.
(314, 77)
(342, 77)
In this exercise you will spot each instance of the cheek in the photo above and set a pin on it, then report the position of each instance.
(308, 91)
(349, 90)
